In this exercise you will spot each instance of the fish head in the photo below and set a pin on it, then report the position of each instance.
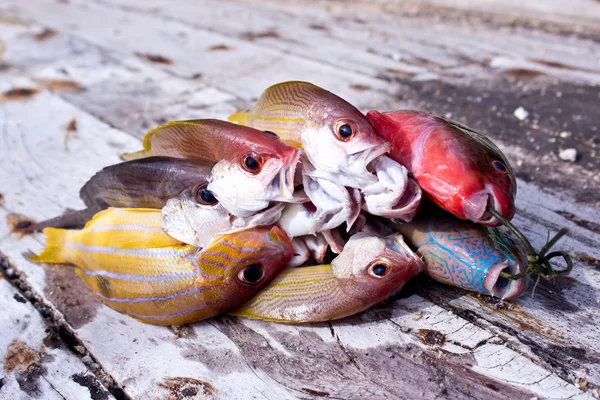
(375, 267)
(255, 176)
(470, 179)
(461, 170)
(342, 143)
(246, 260)
(478, 255)
(195, 216)
(515, 263)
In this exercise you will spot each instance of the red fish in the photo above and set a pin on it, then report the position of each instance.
(461, 170)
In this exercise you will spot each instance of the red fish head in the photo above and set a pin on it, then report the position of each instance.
(461, 170)
(466, 181)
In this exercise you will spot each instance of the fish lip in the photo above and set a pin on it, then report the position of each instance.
(287, 175)
(474, 206)
(396, 243)
(283, 184)
(410, 202)
(476, 211)
(280, 241)
(503, 288)
(358, 162)
(376, 151)
(402, 208)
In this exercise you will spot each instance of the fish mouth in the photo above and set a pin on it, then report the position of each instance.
(267, 216)
(300, 256)
(358, 162)
(475, 207)
(501, 287)
(365, 157)
(334, 240)
(279, 240)
(394, 195)
(408, 205)
(396, 243)
(286, 179)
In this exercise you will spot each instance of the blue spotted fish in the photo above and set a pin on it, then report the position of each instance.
(463, 254)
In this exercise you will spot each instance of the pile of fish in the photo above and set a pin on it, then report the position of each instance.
(300, 209)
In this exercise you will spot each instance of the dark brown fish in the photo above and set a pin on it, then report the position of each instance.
(144, 183)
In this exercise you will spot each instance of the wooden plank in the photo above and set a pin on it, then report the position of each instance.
(486, 327)
(128, 349)
(34, 362)
(354, 44)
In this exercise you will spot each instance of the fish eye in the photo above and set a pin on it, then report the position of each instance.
(499, 166)
(205, 196)
(345, 130)
(252, 274)
(379, 268)
(252, 163)
(271, 133)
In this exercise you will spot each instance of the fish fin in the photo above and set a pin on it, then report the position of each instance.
(53, 252)
(97, 217)
(69, 220)
(240, 117)
(135, 155)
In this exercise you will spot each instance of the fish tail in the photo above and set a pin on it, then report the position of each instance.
(54, 250)
(135, 155)
(240, 117)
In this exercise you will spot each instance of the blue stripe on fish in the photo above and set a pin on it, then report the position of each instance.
(139, 278)
(179, 314)
(156, 298)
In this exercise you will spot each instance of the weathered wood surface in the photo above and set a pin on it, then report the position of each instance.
(34, 362)
(119, 67)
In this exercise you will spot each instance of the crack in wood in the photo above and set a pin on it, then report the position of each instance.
(557, 367)
(68, 338)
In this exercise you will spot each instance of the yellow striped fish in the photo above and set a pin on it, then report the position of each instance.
(124, 257)
(369, 269)
(337, 138)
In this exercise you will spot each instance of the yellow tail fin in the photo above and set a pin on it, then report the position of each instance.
(240, 117)
(53, 252)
